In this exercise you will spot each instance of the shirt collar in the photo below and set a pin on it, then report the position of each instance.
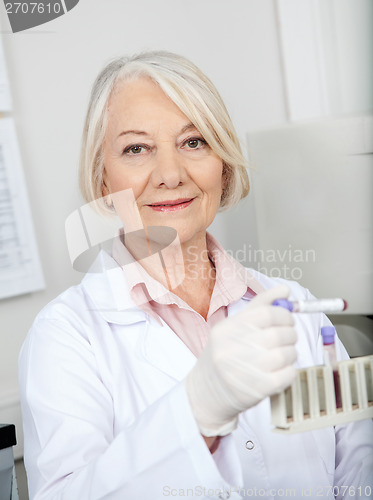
(233, 280)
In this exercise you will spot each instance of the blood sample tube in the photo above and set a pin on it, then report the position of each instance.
(312, 306)
(330, 358)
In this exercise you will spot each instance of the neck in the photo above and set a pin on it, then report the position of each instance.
(184, 268)
(199, 270)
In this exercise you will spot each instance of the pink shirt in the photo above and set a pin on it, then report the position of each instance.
(232, 282)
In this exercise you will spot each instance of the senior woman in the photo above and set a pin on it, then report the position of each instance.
(150, 379)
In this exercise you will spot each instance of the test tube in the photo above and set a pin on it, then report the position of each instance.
(330, 358)
(312, 306)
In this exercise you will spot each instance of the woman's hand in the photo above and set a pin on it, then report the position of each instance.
(248, 357)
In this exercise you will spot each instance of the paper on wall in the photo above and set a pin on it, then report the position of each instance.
(20, 268)
(5, 99)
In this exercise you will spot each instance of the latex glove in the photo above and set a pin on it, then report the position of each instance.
(248, 357)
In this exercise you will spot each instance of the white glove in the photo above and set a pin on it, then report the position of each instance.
(248, 357)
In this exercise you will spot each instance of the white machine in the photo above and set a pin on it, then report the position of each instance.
(313, 191)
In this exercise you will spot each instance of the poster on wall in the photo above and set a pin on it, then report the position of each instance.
(5, 100)
(20, 268)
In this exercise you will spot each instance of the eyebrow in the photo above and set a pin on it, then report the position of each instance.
(142, 132)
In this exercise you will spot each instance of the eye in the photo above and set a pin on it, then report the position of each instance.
(195, 143)
(134, 149)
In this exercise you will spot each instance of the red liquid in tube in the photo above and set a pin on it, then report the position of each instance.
(330, 358)
(337, 389)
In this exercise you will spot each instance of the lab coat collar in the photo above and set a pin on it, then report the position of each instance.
(106, 286)
(110, 295)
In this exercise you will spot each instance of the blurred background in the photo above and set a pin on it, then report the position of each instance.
(296, 76)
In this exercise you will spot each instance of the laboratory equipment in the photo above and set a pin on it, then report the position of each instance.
(310, 403)
(8, 484)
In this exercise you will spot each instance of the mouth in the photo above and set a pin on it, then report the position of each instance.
(171, 205)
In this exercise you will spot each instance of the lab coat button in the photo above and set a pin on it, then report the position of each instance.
(250, 445)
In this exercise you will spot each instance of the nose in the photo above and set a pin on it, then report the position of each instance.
(169, 168)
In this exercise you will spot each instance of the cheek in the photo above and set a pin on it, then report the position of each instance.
(120, 179)
(212, 180)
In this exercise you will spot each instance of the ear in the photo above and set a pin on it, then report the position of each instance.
(105, 189)
(224, 179)
(106, 192)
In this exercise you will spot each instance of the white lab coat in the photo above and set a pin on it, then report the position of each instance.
(106, 415)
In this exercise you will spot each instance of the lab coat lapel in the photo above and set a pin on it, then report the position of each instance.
(236, 307)
(164, 350)
(106, 287)
(161, 347)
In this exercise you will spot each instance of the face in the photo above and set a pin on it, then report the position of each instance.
(151, 147)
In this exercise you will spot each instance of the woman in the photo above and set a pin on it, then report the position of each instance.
(150, 378)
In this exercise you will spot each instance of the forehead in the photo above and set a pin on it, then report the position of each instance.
(140, 99)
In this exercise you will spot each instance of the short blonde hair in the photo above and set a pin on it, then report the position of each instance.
(195, 96)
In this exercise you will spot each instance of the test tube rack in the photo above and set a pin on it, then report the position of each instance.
(310, 403)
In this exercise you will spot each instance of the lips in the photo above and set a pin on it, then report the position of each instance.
(171, 205)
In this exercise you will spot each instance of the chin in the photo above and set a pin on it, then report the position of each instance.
(184, 228)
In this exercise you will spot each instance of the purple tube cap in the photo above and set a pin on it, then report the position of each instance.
(286, 304)
(328, 334)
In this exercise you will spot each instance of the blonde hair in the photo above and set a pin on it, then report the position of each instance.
(195, 96)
